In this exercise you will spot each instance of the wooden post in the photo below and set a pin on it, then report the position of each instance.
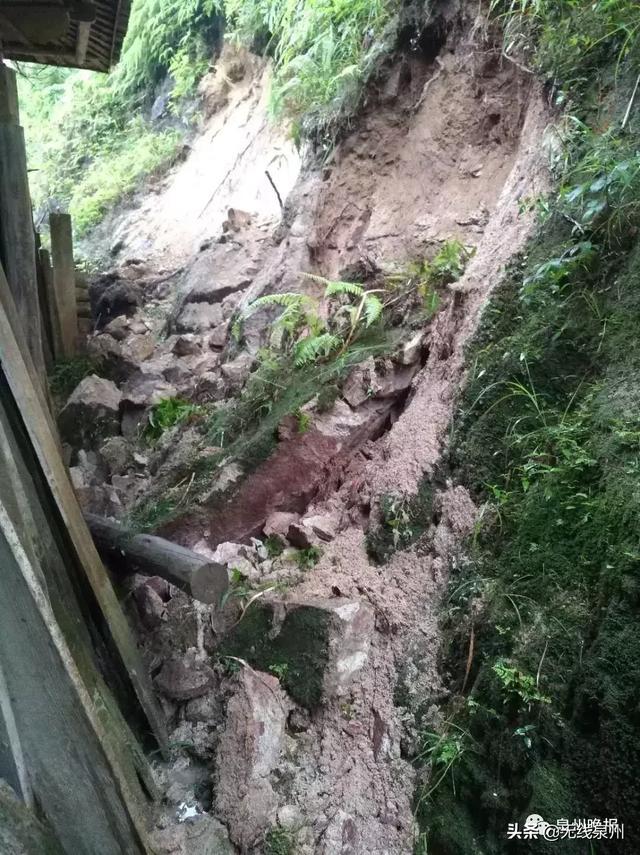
(47, 332)
(17, 243)
(51, 320)
(64, 280)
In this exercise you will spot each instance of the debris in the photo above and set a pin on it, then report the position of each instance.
(91, 414)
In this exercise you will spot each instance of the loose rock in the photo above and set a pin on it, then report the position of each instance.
(183, 679)
(91, 414)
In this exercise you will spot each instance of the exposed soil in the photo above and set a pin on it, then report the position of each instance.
(224, 167)
(448, 146)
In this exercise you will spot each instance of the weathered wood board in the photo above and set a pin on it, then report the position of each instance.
(76, 776)
(41, 432)
(64, 280)
(17, 241)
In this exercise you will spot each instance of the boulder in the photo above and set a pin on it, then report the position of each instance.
(182, 379)
(358, 385)
(237, 371)
(300, 536)
(210, 387)
(186, 345)
(199, 317)
(324, 526)
(218, 337)
(204, 284)
(145, 390)
(236, 220)
(119, 359)
(411, 350)
(319, 646)
(112, 296)
(132, 423)
(184, 679)
(372, 380)
(278, 524)
(250, 750)
(91, 414)
(118, 328)
(151, 607)
(239, 557)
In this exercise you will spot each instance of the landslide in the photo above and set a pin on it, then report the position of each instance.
(298, 708)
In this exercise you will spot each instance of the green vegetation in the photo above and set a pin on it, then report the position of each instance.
(89, 141)
(323, 51)
(168, 413)
(295, 370)
(309, 557)
(274, 545)
(402, 521)
(279, 841)
(297, 654)
(542, 620)
(425, 276)
(300, 329)
(66, 374)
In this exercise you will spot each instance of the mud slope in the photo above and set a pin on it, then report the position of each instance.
(449, 146)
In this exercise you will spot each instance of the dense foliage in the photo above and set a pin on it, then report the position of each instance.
(323, 51)
(90, 138)
(542, 652)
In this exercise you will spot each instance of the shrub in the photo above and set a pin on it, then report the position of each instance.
(323, 50)
(168, 413)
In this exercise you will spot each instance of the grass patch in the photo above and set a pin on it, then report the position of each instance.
(403, 519)
(66, 374)
(168, 413)
(279, 841)
(541, 623)
(308, 558)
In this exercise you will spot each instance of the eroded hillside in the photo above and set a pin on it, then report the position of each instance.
(273, 381)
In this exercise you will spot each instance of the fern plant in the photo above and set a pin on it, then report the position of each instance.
(365, 311)
(300, 327)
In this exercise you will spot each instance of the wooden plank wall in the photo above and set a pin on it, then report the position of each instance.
(42, 435)
(17, 239)
(55, 602)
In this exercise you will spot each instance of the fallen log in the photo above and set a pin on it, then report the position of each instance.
(199, 577)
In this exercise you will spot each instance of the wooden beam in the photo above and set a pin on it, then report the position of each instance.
(202, 579)
(82, 42)
(38, 424)
(8, 28)
(64, 280)
(62, 54)
(17, 242)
